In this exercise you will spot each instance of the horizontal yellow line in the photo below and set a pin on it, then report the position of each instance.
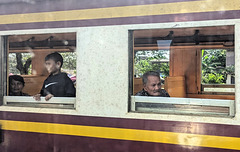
(124, 11)
(124, 134)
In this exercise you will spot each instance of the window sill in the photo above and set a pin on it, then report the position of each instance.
(55, 102)
(183, 106)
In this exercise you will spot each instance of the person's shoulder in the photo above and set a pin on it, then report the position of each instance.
(164, 93)
(63, 74)
(138, 93)
(142, 93)
(65, 77)
(49, 77)
(163, 90)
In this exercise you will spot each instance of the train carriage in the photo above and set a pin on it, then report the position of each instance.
(107, 38)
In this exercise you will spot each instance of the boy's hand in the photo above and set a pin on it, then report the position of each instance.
(48, 97)
(37, 97)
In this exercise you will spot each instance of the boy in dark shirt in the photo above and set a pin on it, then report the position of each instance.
(58, 84)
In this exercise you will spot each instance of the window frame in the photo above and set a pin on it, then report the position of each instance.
(174, 101)
(3, 67)
(28, 101)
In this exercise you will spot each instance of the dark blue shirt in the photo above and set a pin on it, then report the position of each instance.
(59, 85)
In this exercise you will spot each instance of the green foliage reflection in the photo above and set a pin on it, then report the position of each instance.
(214, 70)
(151, 60)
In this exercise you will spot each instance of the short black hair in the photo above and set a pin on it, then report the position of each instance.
(56, 57)
(16, 78)
(149, 73)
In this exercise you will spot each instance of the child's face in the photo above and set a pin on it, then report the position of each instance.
(16, 86)
(52, 67)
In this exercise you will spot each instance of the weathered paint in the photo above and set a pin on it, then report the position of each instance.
(38, 142)
(126, 20)
(185, 135)
(124, 11)
(103, 93)
(174, 11)
(108, 48)
(62, 5)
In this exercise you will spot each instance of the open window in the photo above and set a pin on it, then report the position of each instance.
(26, 57)
(196, 67)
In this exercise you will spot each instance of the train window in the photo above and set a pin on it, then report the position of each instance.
(195, 67)
(26, 70)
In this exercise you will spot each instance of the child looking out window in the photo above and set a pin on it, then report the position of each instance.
(57, 84)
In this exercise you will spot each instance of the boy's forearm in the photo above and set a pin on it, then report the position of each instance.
(48, 97)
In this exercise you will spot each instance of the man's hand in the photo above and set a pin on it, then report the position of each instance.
(48, 97)
(37, 97)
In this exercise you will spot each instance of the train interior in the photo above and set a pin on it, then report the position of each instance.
(196, 67)
(26, 55)
(185, 51)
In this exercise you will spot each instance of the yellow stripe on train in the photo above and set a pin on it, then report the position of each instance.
(124, 134)
(124, 11)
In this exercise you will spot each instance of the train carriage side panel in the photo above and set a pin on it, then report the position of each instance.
(47, 132)
(59, 14)
(101, 121)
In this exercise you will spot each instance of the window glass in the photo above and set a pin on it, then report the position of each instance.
(20, 63)
(157, 60)
(26, 58)
(196, 63)
(218, 71)
(215, 69)
(69, 65)
(150, 60)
